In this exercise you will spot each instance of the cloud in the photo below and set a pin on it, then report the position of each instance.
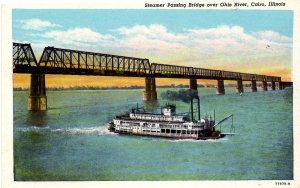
(153, 31)
(274, 37)
(155, 39)
(223, 47)
(204, 47)
(36, 24)
(77, 35)
(205, 40)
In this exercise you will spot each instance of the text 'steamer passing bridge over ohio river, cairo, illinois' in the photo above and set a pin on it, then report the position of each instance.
(74, 62)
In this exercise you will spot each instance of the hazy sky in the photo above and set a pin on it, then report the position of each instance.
(257, 42)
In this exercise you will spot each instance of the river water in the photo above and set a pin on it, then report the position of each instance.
(70, 141)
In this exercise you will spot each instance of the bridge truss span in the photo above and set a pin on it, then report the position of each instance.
(23, 57)
(76, 62)
(171, 71)
(201, 73)
(66, 61)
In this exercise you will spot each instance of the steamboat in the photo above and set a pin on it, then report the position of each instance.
(168, 124)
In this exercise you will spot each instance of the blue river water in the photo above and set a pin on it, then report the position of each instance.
(71, 142)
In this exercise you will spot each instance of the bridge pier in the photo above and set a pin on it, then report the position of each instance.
(265, 85)
(150, 93)
(193, 84)
(37, 100)
(253, 86)
(220, 87)
(273, 85)
(283, 85)
(240, 88)
(280, 85)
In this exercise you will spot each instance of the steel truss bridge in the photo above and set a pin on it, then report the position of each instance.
(75, 62)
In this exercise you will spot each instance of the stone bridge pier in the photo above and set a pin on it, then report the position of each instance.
(273, 85)
(193, 84)
(283, 85)
(280, 85)
(150, 93)
(253, 86)
(37, 100)
(265, 85)
(240, 88)
(220, 87)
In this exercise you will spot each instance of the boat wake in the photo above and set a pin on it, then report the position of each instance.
(186, 140)
(194, 140)
(100, 130)
(103, 131)
(162, 139)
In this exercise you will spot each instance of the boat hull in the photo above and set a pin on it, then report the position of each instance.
(215, 135)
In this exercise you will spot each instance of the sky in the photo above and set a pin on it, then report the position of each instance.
(250, 41)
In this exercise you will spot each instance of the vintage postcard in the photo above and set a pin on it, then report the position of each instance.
(150, 93)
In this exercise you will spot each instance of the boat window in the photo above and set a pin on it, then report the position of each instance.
(183, 131)
(163, 130)
(178, 131)
(167, 130)
(188, 132)
(192, 132)
(173, 131)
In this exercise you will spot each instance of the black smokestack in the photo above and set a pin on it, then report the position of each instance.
(185, 95)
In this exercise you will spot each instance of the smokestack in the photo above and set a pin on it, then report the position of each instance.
(198, 102)
(192, 110)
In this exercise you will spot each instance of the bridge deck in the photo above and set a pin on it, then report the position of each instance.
(74, 62)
